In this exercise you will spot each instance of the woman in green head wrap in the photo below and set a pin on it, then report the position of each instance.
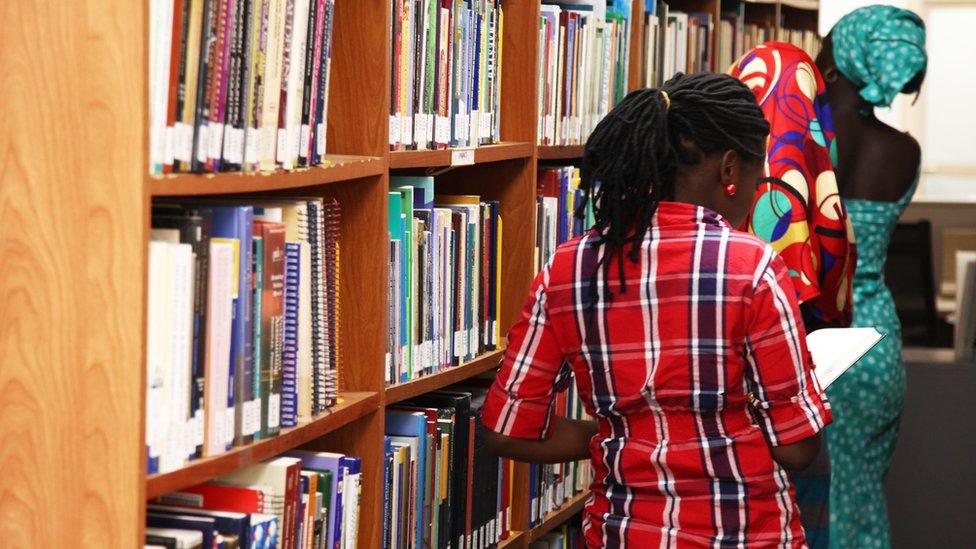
(870, 56)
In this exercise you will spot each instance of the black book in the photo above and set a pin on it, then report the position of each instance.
(233, 153)
(194, 226)
(307, 89)
(460, 403)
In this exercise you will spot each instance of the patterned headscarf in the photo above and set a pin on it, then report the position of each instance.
(879, 49)
(797, 208)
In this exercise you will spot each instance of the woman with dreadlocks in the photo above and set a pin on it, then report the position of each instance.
(683, 335)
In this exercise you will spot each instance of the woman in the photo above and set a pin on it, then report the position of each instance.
(798, 210)
(682, 333)
(870, 56)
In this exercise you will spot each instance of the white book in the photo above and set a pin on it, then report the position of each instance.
(155, 346)
(835, 350)
(185, 539)
(220, 303)
(350, 510)
(965, 329)
(296, 84)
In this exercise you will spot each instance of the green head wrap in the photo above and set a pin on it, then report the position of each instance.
(880, 49)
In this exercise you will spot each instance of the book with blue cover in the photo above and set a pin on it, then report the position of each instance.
(412, 424)
(236, 222)
(289, 363)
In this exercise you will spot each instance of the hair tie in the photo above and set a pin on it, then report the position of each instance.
(667, 100)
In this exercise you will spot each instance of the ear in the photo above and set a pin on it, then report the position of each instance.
(729, 167)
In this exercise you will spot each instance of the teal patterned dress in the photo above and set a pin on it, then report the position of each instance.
(867, 400)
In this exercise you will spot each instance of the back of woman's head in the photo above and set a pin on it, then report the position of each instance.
(632, 158)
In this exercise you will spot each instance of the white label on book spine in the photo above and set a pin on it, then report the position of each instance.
(274, 410)
(169, 145)
(216, 140)
(463, 126)
(282, 144)
(252, 417)
(234, 149)
(406, 130)
(184, 142)
(320, 139)
(418, 129)
(294, 141)
(459, 346)
(430, 127)
(252, 146)
(229, 426)
(197, 423)
(462, 157)
(394, 129)
(203, 142)
(443, 129)
(305, 140)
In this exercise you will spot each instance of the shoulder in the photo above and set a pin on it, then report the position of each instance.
(749, 254)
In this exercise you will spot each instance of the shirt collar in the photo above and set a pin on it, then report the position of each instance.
(679, 213)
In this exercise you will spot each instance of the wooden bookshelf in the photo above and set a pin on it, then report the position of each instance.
(560, 152)
(460, 157)
(336, 168)
(559, 516)
(449, 376)
(354, 405)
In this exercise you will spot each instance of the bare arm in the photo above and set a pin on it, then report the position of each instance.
(799, 455)
(569, 441)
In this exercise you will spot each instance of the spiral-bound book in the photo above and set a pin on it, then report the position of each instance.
(289, 374)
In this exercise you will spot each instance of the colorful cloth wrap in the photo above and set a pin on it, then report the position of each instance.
(797, 208)
(879, 49)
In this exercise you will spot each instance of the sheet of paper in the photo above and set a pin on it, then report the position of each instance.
(834, 350)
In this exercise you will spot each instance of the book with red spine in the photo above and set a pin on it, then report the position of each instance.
(218, 497)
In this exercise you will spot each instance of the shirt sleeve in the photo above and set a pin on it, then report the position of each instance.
(784, 392)
(520, 401)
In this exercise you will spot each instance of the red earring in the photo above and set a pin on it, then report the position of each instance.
(731, 189)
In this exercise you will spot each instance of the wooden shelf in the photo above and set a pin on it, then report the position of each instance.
(337, 168)
(811, 5)
(560, 152)
(444, 157)
(515, 539)
(354, 406)
(416, 387)
(571, 507)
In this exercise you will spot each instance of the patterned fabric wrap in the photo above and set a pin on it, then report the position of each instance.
(879, 49)
(797, 208)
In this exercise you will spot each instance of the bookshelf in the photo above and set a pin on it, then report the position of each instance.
(75, 198)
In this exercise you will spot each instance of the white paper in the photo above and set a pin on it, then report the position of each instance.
(834, 350)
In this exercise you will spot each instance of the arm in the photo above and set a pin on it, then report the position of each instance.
(569, 441)
(786, 398)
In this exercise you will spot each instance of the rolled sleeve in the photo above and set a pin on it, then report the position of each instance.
(784, 392)
(520, 402)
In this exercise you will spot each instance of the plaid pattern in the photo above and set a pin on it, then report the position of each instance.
(708, 322)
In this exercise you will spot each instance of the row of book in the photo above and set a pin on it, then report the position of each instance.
(443, 490)
(445, 73)
(243, 322)
(557, 199)
(444, 279)
(584, 56)
(676, 41)
(302, 500)
(567, 536)
(807, 40)
(238, 85)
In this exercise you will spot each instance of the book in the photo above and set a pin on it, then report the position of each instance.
(279, 478)
(835, 350)
(272, 314)
(206, 526)
(174, 538)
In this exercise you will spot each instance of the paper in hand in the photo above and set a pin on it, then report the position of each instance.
(834, 350)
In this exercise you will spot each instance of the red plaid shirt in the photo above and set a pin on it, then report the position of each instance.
(708, 321)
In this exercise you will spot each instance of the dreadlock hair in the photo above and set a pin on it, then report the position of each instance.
(632, 157)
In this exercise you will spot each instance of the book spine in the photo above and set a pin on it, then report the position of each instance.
(287, 61)
(289, 389)
(313, 222)
(218, 92)
(233, 153)
(312, 61)
(259, 352)
(333, 300)
(325, 71)
(255, 84)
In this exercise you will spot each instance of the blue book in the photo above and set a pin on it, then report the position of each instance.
(264, 532)
(236, 222)
(289, 362)
(412, 424)
(205, 525)
(328, 461)
(388, 489)
(225, 522)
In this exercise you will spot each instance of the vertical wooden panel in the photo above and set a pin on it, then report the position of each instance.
(519, 85)
(635, 74)
(72, 291)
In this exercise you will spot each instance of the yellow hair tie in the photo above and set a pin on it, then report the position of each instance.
(667, 100)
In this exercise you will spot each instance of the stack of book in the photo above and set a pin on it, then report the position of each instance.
(567, 536)
(443, 488)
(238, 85)
(582, 71)
(444, 279)
(446, 73)
(551, 485)
(557, 198)
(675, 41)
(299, 501)
(243, 322)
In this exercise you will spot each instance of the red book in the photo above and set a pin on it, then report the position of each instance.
(293, 498)
(218, 497)
(176, 53)
(548, 183)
